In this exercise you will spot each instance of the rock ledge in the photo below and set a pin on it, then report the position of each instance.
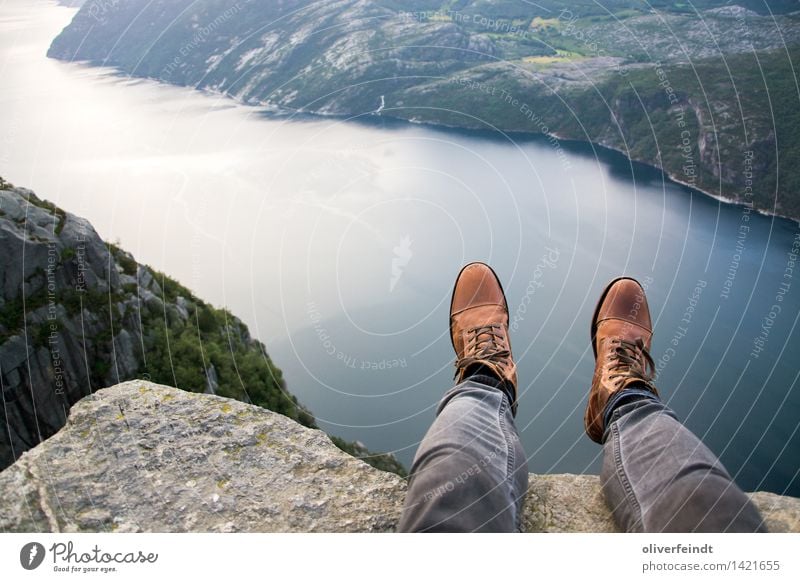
(144, 457)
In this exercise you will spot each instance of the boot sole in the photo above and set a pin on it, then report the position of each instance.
(593, 328)
(453, 295)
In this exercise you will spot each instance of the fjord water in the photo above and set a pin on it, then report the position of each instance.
(338, 241)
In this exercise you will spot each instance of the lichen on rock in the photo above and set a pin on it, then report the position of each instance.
(143, 457)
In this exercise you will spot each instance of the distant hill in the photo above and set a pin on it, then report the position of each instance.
(706, 90)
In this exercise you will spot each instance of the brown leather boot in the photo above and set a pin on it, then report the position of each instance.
(479, 325)
(621, 334)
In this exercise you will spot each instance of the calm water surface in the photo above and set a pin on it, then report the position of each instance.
(338, 242)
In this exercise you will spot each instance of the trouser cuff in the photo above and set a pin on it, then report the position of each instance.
(626, 396)
(495, 382)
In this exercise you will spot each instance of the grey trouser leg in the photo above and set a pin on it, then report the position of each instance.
(658, 477)
(470, 472)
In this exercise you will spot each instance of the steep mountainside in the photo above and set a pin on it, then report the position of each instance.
(77, 314)
(706, 90)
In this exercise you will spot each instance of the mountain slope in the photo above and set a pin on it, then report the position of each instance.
(706, 91)
(77, 314)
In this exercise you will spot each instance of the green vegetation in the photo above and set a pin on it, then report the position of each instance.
(181, 352)
(41, 334)
(58, 214)
(699, 122)
(750, 106)
(178, 340)
(380, 461)
(124, 260)
(12, 314)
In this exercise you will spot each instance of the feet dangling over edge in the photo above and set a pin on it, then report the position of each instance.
(621, 333)
(479, 327)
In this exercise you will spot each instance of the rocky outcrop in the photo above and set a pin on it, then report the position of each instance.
(143, 457)
(54, 271)
(77, 314)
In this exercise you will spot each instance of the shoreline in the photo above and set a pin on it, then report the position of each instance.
(279, 113)
(692, 188)
(276, 113)
(669, 176)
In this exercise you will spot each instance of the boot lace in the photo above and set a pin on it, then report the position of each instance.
(631, 360)
(485, 343)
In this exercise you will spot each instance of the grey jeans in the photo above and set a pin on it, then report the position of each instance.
(470, 472)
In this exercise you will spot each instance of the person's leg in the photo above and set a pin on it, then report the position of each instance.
(470, 472)
(658, 477)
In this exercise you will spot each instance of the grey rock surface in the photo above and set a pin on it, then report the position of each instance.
(143, 457)
(74, 316)
(78, 314)
(566, 503)
(57, 345)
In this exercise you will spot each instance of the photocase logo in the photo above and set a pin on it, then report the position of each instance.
(402, 255)
(31, 555)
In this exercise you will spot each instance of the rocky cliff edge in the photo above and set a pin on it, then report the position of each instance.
(78, 314)
(144, 457)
